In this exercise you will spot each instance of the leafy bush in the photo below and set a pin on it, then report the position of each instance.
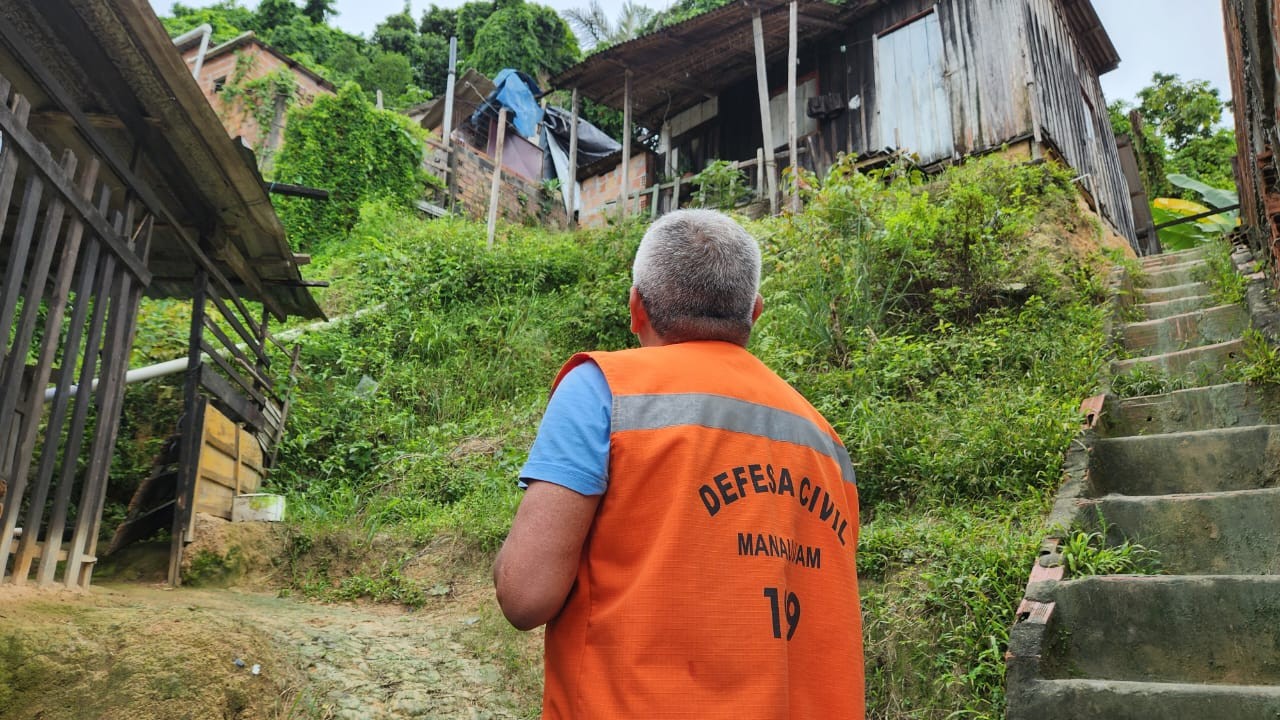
(343, 144)
(720, 185)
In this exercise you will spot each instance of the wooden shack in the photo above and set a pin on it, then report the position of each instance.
(117, 179)
(1253, 54)
(932, 80)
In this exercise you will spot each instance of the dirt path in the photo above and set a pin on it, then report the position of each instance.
(143, 651)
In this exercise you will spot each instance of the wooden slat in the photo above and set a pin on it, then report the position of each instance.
(224, 391)
(238, 323)
(236, 352)
(57, 305)
(105, 270)
(83, 552)
(110, 393)
(192, 429)
(11, 378)
(246, 385)
(39, 159)
(9, 153)
(19, 249)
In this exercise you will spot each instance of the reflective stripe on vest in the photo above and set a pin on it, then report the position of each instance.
(654, 412)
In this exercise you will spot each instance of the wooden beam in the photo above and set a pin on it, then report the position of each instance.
(496, 186)
(626, 144)
(766, 124)
(573, 161)
(791, 110)
(229, 252)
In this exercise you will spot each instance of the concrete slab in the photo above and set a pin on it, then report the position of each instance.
(1190, 462)
(1174, 292)
(1227, 533)
(1163, 309)
(1204, 365)
(1171, 275)
(1208, 629)
(1206, 408)
(1078, 699)
(1179, 332)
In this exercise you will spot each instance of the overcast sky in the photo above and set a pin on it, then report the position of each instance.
(1178, 36)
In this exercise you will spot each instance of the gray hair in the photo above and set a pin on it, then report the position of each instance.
(698, 274)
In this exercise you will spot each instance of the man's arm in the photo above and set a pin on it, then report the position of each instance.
(538, 562)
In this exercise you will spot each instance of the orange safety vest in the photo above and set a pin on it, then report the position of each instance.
(717, 579)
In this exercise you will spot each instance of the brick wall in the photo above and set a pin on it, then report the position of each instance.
(518, 199)
(600, 193)
(235, 118)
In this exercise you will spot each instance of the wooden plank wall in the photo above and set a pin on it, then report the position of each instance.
(1073, 112)
(231, 464)
(81, 264)
(990, 104)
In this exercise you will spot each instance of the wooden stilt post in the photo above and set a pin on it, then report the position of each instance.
(496, 187)
(573, 162)
(791, 109)
(766, 124)
(664, 147)
(675, 189)
(623, 202)
(447, 131)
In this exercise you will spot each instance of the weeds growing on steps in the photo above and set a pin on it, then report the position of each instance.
(948, 327)
(1226, 283)
(1090, 552)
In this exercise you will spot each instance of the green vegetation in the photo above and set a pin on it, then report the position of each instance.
(947, 326)
(1086, 553)
(359, 153)
(406, 59)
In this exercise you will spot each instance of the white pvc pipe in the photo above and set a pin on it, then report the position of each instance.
(173, 367)
(204, 31)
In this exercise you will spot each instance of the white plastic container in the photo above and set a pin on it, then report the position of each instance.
(257, 507)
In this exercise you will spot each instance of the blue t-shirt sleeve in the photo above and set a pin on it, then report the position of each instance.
(572, 446)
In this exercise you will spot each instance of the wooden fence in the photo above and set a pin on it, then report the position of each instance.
(73, 274)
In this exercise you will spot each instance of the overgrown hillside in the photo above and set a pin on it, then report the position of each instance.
(948, 328)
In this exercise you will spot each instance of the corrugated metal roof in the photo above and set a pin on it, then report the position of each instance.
(681, 65)
(1094, 41)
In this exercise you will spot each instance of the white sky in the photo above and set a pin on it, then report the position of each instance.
(1183, 37)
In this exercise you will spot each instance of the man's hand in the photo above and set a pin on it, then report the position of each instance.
(537, 564)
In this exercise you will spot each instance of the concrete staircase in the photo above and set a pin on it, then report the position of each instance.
(1194, 475)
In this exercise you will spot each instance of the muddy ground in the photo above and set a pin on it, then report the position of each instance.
(142, 651)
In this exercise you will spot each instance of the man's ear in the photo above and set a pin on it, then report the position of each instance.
(757, 308)
(639, 317)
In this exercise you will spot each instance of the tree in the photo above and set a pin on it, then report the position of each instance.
(527, 37)
(1180, 110)
(594, 26)
(274, 13)
(318, 11)
(343, 144)
(228, 19)
(389, 72)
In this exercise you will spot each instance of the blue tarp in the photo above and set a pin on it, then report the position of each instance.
(518, 93)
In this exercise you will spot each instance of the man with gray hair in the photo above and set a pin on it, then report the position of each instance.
(688, 528)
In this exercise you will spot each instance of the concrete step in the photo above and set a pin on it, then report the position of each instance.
(1204, 365)
(1188, 462)
(1173, 292)
(1206, 408)
(1172, 275)
(1222, 630)
(1178, 332)
(1154, 262)
(1118, 700)
(1166, 308)
(1225, 533)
